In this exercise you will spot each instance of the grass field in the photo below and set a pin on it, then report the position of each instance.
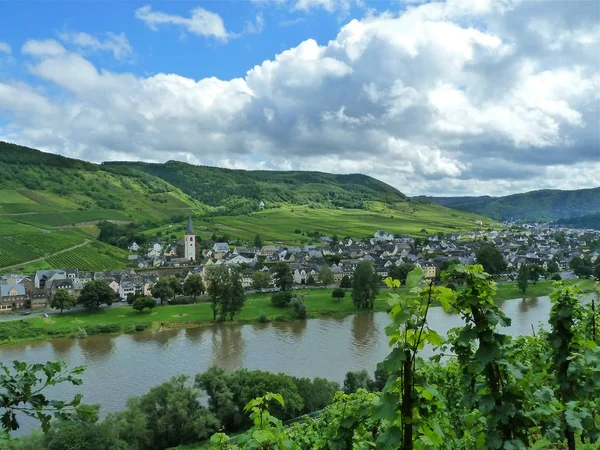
(318, 302)
(281, 224)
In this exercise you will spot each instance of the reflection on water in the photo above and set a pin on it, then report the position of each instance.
(129, 364)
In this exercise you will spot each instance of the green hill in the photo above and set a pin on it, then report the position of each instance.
(50, 204)
(534, 205)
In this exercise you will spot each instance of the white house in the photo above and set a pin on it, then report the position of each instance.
(221, 247)
(134, 247)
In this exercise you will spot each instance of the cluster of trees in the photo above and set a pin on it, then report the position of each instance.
(365, 285)
(527, 273)
(583, 267)
(93, 294)
(226, 292)
(122, 235)
(492, 260)
(171, 414)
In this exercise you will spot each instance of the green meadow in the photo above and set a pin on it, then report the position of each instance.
(123, 318)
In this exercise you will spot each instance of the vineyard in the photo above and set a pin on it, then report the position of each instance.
(12, 253)
(92, 257)
(495, 392)
(44, 244)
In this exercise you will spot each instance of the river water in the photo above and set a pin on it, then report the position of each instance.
(130, 364)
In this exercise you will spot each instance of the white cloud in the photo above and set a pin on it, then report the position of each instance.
(48, 47)
(443, 98)
(5, 48)
(201, 22)
(255, 27)
(117, 44)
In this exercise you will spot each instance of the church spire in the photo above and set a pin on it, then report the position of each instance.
(190, 230)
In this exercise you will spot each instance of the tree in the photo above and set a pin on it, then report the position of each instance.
(169, 415)
(400, 272)
(193, 285)
(552, 267)
(311, 280)
(357, 380)
(217, 287)
(338, 294)
(326, 275)
(162, 290)
(258, 241)
(299, 307)
(346, 282)
(236, 296)
(62, 300)
(96, 293)
(281, 299)
(143, 302)
(523, 278)
(535, 271)
(283, 277)
(365, 286)
(317, 393)
(175, 284)
(491, 259)
(22, 389)
(261, 280)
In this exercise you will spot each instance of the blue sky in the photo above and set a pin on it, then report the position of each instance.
(434, 97)
(172, 48)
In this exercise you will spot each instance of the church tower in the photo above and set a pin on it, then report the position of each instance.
(190, 242)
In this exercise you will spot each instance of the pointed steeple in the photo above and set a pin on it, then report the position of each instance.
(190, 230)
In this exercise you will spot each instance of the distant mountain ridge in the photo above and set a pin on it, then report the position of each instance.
(549, 204)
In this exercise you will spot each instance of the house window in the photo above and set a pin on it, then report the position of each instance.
(191, 238)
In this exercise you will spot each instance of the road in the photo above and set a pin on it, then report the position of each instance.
(85, 242)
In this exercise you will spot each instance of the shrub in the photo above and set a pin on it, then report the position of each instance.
(181, 301)
(281, 299)
(556, 277)
(142, 326)
(299, 307)
(81, 333)
(281, 319)
(338, 294)
(263, 318)
(103, 329)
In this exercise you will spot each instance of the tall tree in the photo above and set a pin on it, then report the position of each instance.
(162, 290)
(62, 300)
(400, 272)
(260, 280)
(175, 284)
(96, 293)
(193, 285)
(258, 241)
(491, 259)
(216, 288)
(365, 286)
(326, 275)
(235, 297)
(523, 278)
(346, 282)
(283, 277)
(552, 267)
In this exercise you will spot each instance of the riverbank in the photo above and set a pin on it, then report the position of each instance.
(258, 307)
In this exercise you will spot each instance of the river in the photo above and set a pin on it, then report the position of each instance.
(130, 364)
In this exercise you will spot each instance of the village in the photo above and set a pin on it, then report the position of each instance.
(551, 248)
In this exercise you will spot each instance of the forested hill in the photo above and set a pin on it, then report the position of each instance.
(242, 190)
(534, 205)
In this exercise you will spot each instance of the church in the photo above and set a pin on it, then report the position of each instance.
(187, 246)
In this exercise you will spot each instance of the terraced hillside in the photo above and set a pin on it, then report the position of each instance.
(49, 203)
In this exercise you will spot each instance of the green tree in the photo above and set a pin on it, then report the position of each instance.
(23, 389)
(96, 293)
(365, 286)
(346, 282)
(354, 381)
(491, 259)
(217, 288)
(258, 241)
(311, 281)
(62, 300)
(317, 393)
(338, 294)
(400, 272)
(193, 285)
(299, 307)
(523, 278)
(326, 275)
(235, 297)
(261, 280)
(552, 267)
(162, 290)
(535, 272)
(175, 284)
(281, 299)
(143, 302)
(169, 415)
(283, 277)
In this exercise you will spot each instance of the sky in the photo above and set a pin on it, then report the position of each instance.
(462, 97)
